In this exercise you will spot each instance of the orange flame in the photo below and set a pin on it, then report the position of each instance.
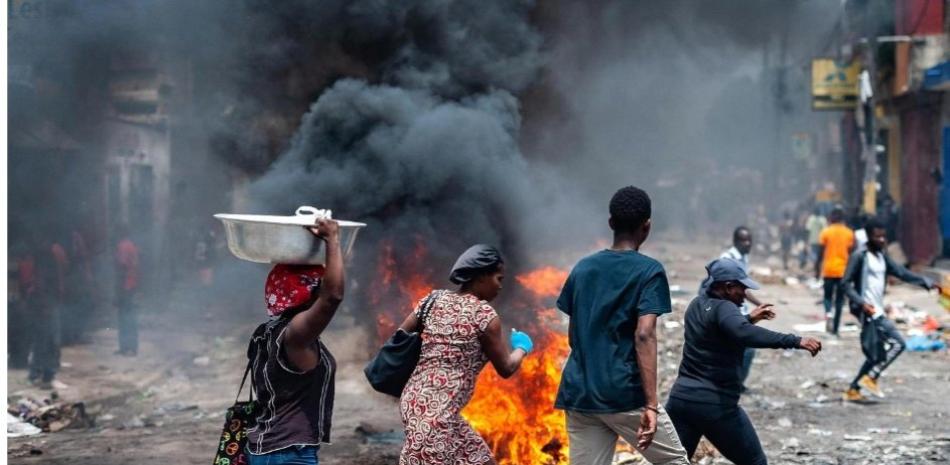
(543, 282)
(408, 287)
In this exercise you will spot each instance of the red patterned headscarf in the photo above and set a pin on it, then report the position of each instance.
(290, 286)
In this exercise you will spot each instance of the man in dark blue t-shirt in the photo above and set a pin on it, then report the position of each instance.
(608, 386)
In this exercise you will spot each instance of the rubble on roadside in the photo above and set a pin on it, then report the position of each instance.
(16, 427)
(50, 415)
(869, 446)
(26, 449)
(377, 434)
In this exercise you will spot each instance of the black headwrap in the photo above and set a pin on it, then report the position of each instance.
(476, 259)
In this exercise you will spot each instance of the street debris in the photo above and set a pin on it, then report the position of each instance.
(676, 289)
(17, 427)
(50, 415)
(791, 443)
(375, 434)
(810, 327)
(921, 343)
(172, 407)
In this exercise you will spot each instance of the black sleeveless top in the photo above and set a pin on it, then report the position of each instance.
(295, 406)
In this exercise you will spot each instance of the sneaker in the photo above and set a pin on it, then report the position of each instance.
(854, 395)
(870, 384)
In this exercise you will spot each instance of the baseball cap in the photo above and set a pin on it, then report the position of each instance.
(727, 269)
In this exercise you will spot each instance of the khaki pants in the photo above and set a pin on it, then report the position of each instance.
(593, 438)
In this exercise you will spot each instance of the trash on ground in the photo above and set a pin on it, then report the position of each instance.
(925, 344)
(51, 416)
(17, 428)
(810, 327)
(374, 434)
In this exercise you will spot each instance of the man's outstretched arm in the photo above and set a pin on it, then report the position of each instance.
(909, 277)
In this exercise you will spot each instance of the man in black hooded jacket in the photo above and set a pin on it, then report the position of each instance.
(864, 282)
(704, 400)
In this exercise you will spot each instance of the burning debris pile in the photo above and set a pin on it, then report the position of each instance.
(516, 417)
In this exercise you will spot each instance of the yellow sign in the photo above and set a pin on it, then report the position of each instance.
(834, 85)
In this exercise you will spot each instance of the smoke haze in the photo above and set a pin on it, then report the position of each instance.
(452, 122)
(691, 100)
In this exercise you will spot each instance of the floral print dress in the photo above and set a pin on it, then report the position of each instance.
(443, 383)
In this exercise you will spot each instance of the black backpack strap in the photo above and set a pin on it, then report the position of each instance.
(250, 391)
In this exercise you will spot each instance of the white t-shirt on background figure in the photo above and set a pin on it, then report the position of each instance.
(874, 288)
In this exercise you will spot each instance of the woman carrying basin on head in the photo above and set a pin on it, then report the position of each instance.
(292, 371)
(459, 335)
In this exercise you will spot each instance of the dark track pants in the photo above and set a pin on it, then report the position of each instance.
(834, 295)
(895, 346)
(726, 426)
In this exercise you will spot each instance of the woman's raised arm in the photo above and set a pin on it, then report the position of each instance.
(305, 327)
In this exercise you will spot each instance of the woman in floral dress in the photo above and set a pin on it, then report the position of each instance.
(459, 335)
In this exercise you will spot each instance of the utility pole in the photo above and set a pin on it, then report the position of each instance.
(868, 142)
(780, 144)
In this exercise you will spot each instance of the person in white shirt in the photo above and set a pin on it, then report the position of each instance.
(741, 246)
(860, 234)
(865, 282)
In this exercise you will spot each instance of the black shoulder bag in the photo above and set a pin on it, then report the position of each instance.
(389, 371)
(232, 449)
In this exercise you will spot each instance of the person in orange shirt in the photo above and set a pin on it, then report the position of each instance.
(836, 243)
